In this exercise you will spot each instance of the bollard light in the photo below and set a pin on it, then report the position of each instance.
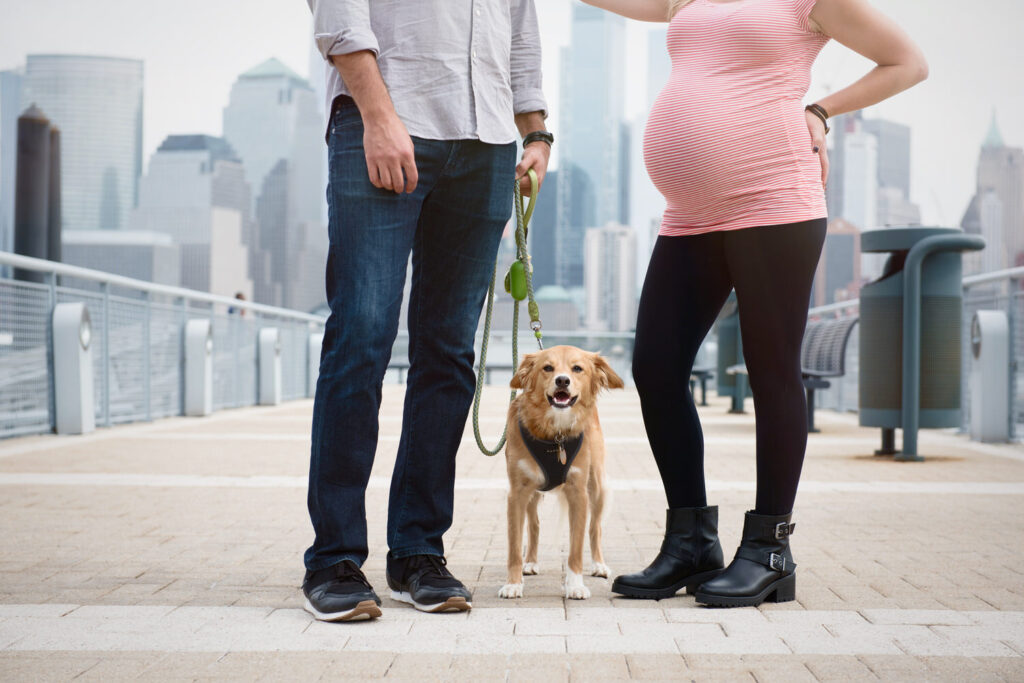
(198, 368)
(72, 369)
(269, 349)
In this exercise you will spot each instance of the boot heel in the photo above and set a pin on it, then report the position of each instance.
(696, 580)
(785, 590)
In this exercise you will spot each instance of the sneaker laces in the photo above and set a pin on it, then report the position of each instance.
(430, 565)
(347, 571)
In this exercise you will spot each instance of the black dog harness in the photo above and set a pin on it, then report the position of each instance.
(546, 454)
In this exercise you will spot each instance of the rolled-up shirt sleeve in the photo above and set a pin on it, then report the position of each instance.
(341, 27)
(525, 66)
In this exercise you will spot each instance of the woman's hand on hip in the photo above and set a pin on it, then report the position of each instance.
(816, 127)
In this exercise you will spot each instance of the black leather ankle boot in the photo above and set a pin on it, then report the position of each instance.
(762, 569)
(690, 555)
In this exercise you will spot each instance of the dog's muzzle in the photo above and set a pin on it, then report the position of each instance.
(562, 399)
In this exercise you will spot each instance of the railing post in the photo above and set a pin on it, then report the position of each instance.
(147, 361)
(181, 356)
(105, 288)
(51, 280)
(1011, 315)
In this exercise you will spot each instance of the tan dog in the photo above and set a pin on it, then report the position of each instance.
(553, 432)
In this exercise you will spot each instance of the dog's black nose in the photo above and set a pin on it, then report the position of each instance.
(562, 381)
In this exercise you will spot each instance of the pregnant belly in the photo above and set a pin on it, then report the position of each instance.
(701, 149)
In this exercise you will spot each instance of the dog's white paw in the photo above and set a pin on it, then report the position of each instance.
(511, 590)
(601, 569)
(574, 588)
(531, 569)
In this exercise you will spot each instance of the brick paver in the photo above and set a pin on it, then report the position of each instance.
(172, 551)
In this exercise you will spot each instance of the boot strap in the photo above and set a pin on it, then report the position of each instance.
(780, 531)
(774, 561)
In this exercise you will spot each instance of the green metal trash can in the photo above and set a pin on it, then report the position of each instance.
(910, 333)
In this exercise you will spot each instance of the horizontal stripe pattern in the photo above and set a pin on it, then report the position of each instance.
(727, 141)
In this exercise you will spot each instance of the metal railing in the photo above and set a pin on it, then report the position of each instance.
(138, 359)
(1000, 290)
(139, 345)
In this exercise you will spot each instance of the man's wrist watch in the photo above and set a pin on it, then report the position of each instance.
(539, 136)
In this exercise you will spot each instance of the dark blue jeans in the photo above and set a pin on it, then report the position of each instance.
(451, 225)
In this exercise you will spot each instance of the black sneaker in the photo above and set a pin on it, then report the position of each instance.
(424, 582)
(340, 593)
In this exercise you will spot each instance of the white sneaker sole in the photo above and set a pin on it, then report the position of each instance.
(367, 609)
(454, 604)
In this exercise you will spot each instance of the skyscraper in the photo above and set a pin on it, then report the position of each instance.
(610, 278)
(999, 197)
(273, 114)
(274, 121)
(195, 192)
(96, 102)
(10, 109)
(851, 167)
(592, 137)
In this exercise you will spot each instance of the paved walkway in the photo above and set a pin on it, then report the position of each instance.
(172, 551)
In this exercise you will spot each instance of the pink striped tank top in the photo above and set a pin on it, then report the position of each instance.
(726, 141)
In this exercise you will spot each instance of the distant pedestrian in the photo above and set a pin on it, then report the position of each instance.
(425, 100)
(240, 311)
(742, 164)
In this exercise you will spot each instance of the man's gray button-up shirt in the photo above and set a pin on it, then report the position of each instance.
(456, 69)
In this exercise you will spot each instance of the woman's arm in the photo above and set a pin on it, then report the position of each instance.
(641, 10)
(865, 30)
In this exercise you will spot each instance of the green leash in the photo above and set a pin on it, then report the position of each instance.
(518, 283)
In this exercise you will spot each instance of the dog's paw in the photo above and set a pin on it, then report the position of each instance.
(601, 569)
(511, 590)
(574, 588)
(531, 569)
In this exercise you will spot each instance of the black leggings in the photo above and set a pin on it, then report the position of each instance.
(688, 280)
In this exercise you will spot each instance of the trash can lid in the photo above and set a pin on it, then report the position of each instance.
(899, 239)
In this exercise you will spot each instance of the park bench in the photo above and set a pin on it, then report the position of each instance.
(702, 375)
(822, 356)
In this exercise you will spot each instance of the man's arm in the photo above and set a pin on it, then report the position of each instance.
(527, 93)
(345, 38)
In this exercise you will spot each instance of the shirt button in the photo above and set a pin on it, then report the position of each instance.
(478, 11)
(474, 54)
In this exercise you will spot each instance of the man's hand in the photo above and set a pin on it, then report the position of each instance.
(390, 155)
(535, 156)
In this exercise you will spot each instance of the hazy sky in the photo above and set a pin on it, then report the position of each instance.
(194, 50)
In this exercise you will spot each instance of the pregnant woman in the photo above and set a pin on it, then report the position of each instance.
(742, 164)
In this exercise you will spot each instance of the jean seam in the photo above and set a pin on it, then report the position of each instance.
(412, 422)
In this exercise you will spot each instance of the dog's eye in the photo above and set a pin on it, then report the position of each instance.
(577, 368)
(548, 368)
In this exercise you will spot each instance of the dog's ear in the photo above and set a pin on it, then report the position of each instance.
(525, 368)
(606, 377)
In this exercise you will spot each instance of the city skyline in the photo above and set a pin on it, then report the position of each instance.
(188, 88)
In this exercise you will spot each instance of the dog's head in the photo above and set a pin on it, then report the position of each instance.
(560, 385)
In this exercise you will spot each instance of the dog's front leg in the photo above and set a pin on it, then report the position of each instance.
(533, 539)
(517, 499)
(576, 496)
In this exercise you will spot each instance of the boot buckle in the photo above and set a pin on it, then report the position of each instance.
(777, 562)
(783, 530)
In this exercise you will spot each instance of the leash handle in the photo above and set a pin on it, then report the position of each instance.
(528, 208)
